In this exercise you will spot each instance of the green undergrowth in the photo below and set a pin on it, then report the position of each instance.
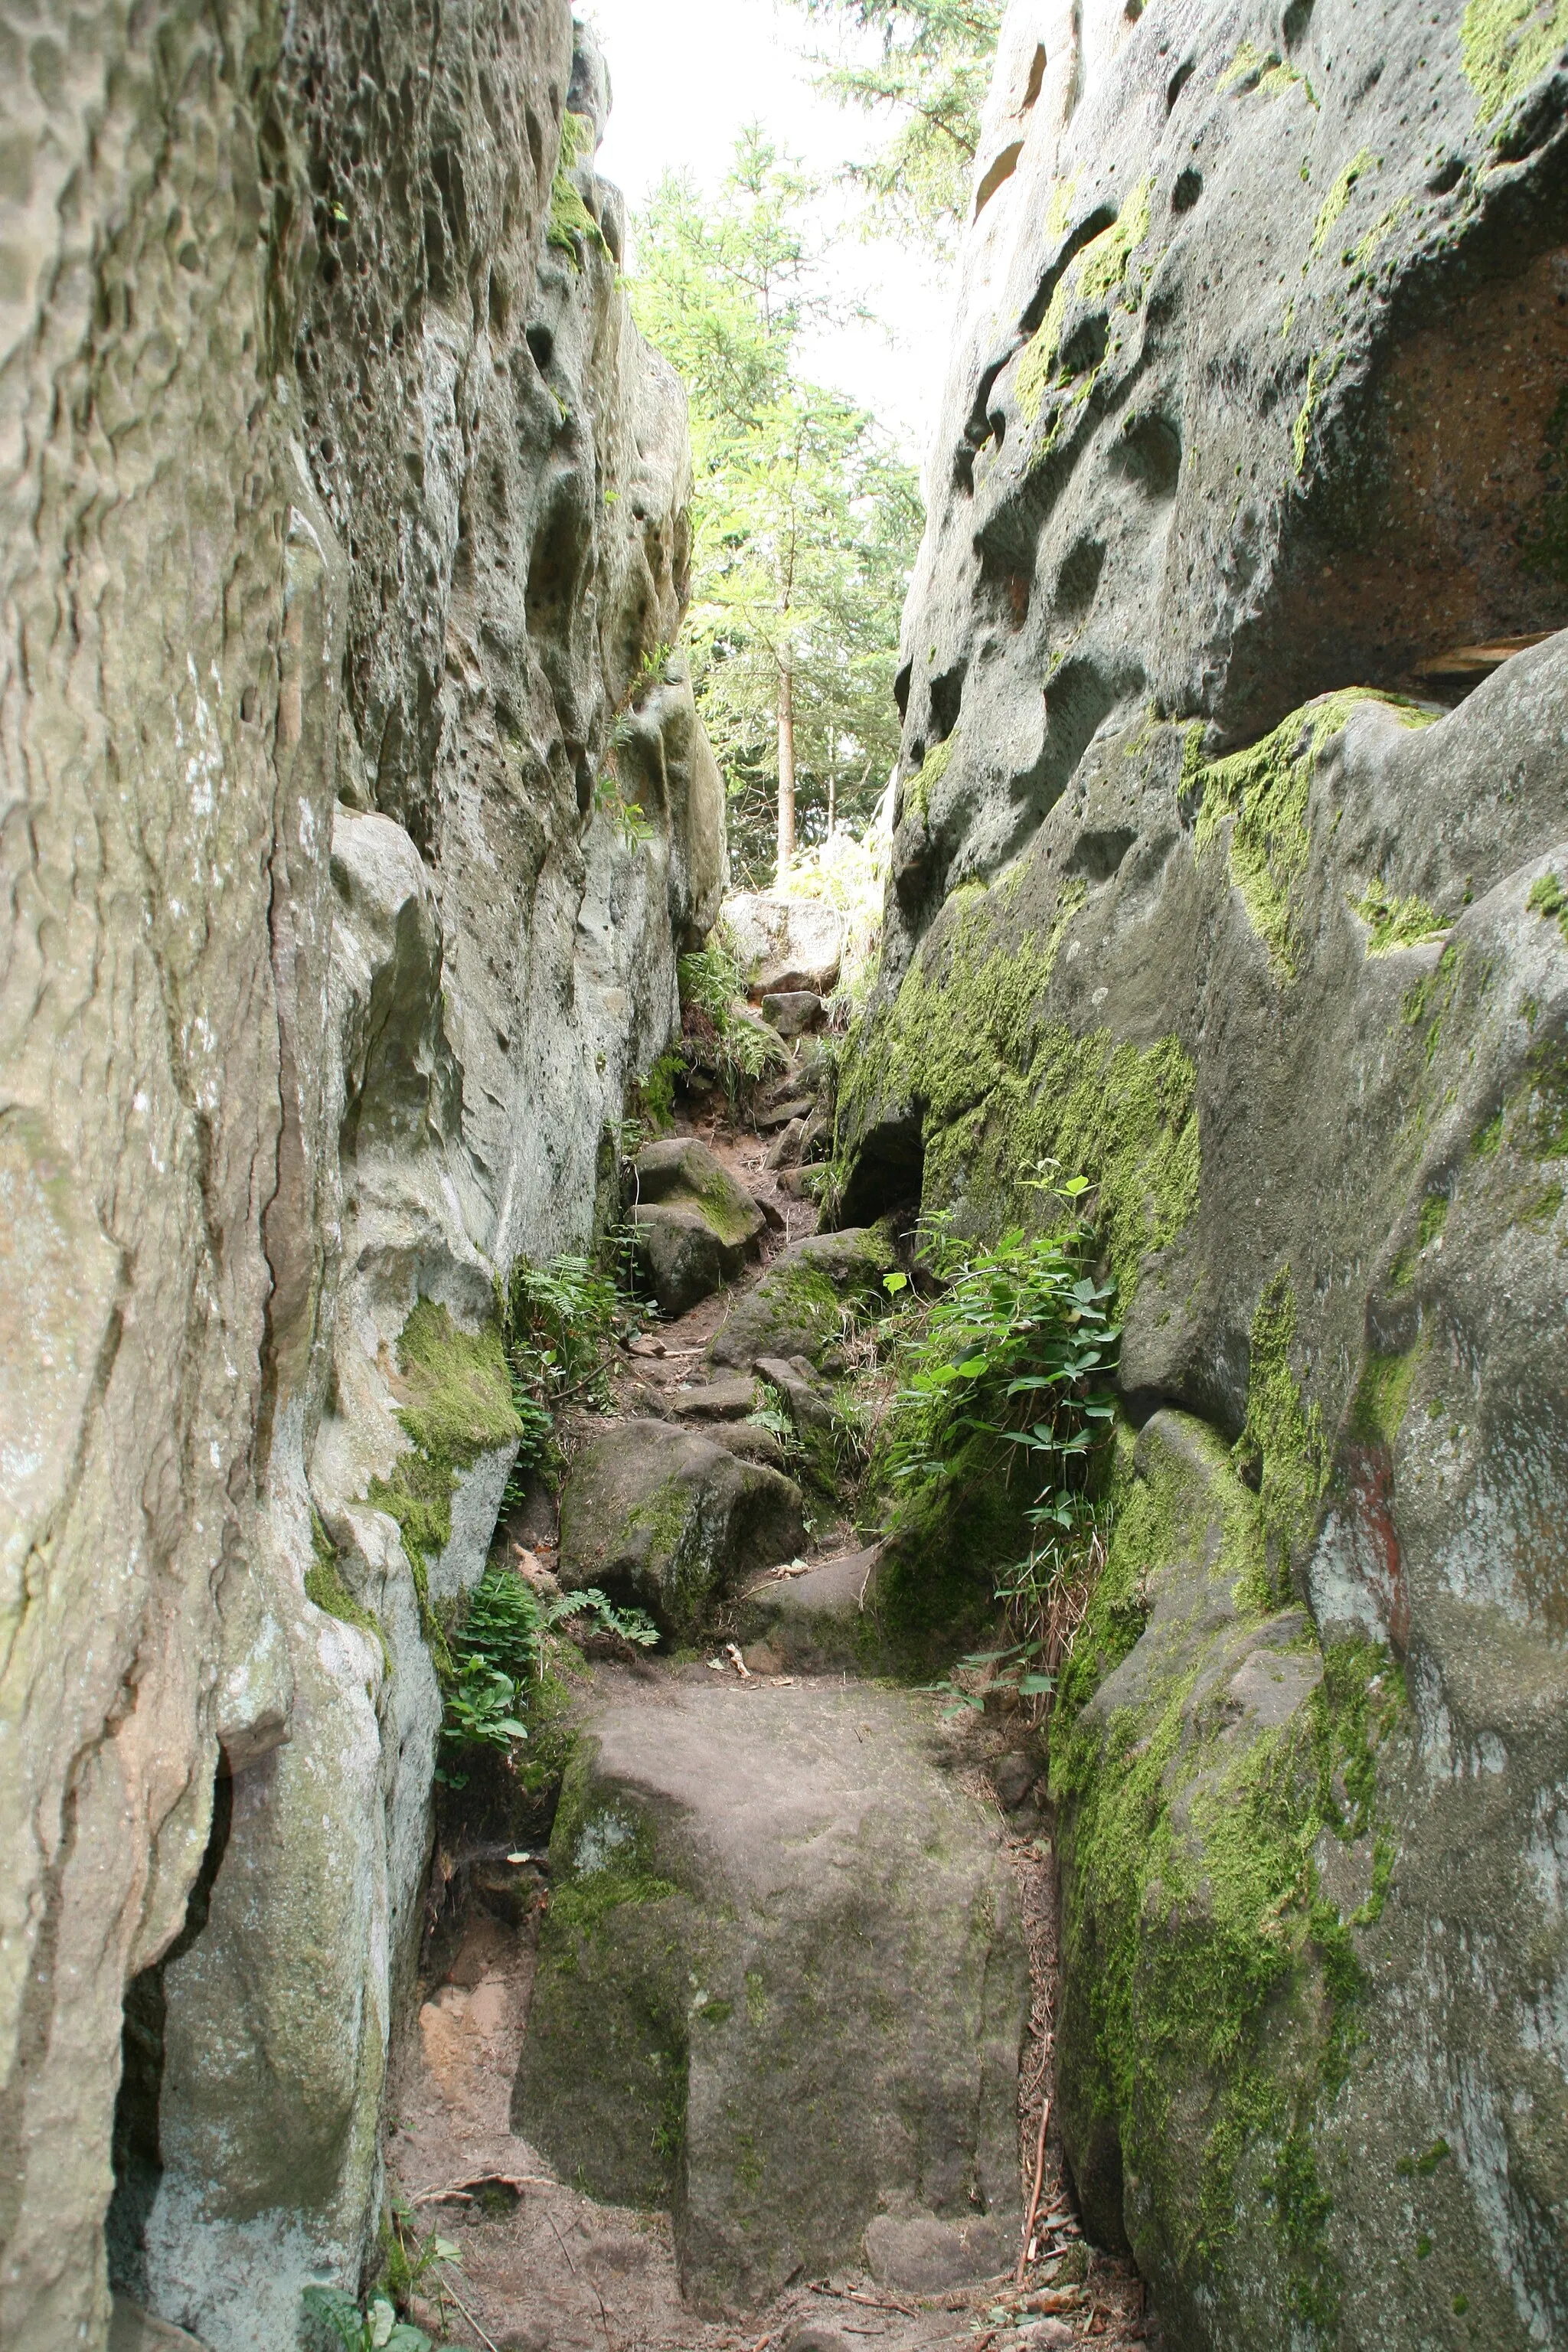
(719, 1034)
(1262, 793)
(572, 224)
(988, 1464)
(1004, 1088)
(1206, 1971)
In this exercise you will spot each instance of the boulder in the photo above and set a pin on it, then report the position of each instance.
(667, 1519)
(678, 1255)
(793, 1013)
(717, 1401)
(785, 946)
(820, 1622)
(1254, 919)
(694, 1223)
(806, 1401)
(784, 1150)
(808, 1295)
(781, 1983)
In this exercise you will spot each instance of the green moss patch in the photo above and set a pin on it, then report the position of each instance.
(1002, 1087)
(1094, 279)
(919, 787)
(1262, 795)
(1394, 922)
(458, 1405)
(1211, 1993)
(325, 1588)
(1506, 44)
(1282, 1440)
(572, 224)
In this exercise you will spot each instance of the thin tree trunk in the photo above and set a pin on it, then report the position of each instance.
(832, 801)
(786, 777)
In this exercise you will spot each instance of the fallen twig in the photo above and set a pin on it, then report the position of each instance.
(857, 2295)
(1035, 2200)
(488, 2342)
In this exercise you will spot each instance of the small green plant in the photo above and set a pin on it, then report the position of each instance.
(412, 2260)
(634, 1625)
(712, 998)
(375, 2328)
(1015, 1354)
(626, 815)
(558, 1322)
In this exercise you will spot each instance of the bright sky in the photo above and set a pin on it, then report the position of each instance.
(687, 74)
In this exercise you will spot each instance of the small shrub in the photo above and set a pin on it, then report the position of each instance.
(1010, 1365)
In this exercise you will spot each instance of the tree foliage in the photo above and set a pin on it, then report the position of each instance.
(805, 518)
(925, 64)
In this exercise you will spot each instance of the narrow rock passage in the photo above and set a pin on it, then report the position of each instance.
(769, 2031)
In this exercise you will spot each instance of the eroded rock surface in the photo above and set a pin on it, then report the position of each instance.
(672, 1520)
(1243, 920)
(781, 1985)
(344, 505)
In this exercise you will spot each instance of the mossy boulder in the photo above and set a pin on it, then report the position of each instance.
(808, 1297)
(695, 1226)
(672, 1521)
(781, 1983)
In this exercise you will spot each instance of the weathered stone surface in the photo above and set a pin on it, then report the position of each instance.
(717, 1401)
(793, 1013)
(671, 1520)
(822, 1620)
(781, 1985)
(342, 508)
(1242, 923)
(799, 1307)
(680, 1255)
(785, 945)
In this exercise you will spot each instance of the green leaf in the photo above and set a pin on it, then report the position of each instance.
(893, 1283)
(1035, 1685)
(337, 2311)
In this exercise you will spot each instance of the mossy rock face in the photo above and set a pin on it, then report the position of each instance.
(671, 1520)
(781, 1982)
(800, 1306)
(1244, 1829)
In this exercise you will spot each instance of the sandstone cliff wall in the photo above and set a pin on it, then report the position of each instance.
(1214, 881)
(344, 539)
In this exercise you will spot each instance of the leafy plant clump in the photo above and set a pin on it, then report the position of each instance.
(716, 1025)
(1010, 1366)
(498, 1652)
(375, 2328)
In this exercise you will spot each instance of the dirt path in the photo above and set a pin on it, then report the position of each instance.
(541, 2267)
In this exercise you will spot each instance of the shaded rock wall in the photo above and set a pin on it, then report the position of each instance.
(345, 535)
(1204, 885)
